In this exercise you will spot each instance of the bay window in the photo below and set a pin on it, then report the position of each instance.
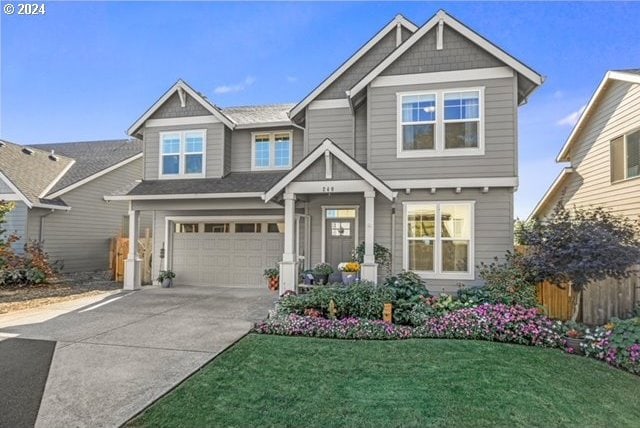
(438, 239)
(182, 154)
(440, 123)
(271, 150)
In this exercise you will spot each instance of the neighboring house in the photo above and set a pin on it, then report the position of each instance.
(411, 143)
(59, 189)
(603, 152)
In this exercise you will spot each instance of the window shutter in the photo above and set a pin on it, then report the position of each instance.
(617, 159)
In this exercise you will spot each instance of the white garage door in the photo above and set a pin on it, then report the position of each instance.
(225, 254)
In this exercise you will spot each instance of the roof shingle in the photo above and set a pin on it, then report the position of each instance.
(249, 115)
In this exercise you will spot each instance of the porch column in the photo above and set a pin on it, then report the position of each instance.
(133, 262)
(288, 266)
(369, 270)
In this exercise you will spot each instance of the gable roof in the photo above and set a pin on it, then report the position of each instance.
(92, 159)
(398, 20)
(550, 192)
(28, 171)
(458, 26)
(329, 146)
(631, 76)
(181, 85)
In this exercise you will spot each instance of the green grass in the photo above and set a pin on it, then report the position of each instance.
(289, 381)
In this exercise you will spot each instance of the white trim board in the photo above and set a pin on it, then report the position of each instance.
(550, 191)
(17, 191)
(460, 28)
(453, 183)
(9, 197)
(264, 125)
(53, 183)
(328, 145)
(563, 156)
(329, 104)
(183, 196)
(179, 121)
(391, 26)
(180, 85)
(93, 177)
(442, 77)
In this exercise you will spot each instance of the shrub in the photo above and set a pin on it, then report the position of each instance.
(500, 323)
(381, 254)
(362, 300)
(617, 343)
(346, 328)
(408, 289)
(509, 282)
(323, 269)
(474, 295)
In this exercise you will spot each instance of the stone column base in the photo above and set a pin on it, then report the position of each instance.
(132, 279)
(288, 277)
(369, 272)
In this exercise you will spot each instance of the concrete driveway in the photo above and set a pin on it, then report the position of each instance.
(114, 357)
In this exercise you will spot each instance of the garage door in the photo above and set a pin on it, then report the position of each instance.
(225, 254)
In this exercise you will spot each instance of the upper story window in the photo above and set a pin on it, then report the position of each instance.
(438, 239)
(440, 123)
(182, 154)
(271, 150)
(625, 156)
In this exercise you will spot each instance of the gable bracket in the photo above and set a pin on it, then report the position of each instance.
(183, 97)
(440, 36)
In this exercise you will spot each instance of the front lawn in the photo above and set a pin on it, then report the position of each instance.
(296, 381)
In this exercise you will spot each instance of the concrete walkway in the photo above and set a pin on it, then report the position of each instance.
(115, 356)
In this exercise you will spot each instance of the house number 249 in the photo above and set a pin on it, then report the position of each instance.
(327, 189)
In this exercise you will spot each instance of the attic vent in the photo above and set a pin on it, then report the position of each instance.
(27, 151)
(53, 157)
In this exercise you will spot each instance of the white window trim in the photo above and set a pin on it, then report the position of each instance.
(182, 154)
(437, 273)
(439, 150)
(624, 155)
(272, 151)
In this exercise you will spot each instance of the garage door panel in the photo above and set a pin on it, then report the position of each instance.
(225, 259)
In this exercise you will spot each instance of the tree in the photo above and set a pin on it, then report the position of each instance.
(580, 246)
(5, 208)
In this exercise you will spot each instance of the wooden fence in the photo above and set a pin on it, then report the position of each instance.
(119, 250)
(601, 300)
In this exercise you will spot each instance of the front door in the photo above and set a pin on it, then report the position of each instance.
(340, 239)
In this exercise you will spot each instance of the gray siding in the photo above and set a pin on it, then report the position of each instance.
(335, 124)
(172, 108)
(405, 34)
(214, 148)
(241, 147)
(360, 68)
(4, 188)
(80, 237)
(458, 53)
(499, 159)
(16, 223)
(361, 134)
(317, 171)
(617, 113)
(227, 150)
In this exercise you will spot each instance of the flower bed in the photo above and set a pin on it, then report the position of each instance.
(617, 344)
(500, 323)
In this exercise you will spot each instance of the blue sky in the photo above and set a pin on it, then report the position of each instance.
(87, 70)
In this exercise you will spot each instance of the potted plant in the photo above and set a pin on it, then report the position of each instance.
(307, 277)
(574, 338)
(165, 278)
(350, 271)
(273, 278)
(321, 273)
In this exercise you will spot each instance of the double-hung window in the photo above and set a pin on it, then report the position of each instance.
(438, 239)
(182, 154)
(271, 150)
(625, 156)
(440, 123)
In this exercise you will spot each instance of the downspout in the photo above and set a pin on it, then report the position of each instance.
(393, 238)
(41, 231)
